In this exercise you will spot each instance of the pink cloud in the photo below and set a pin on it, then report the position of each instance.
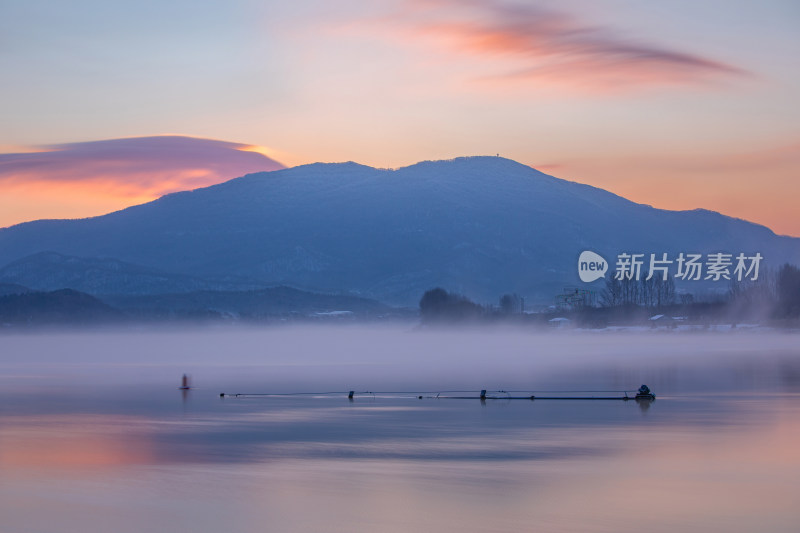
(542, 46)
(136, 167)
(92, 178)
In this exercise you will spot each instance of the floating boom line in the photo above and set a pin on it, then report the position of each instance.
(643, 393)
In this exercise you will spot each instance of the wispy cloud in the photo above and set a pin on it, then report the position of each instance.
(537, 45)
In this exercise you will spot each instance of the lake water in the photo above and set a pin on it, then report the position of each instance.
(95, 436)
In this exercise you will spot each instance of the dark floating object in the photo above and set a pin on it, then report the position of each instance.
(185, 383)
(642, 395)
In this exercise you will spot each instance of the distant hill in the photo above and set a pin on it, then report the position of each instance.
(143, 292)
(481, 226)
(70, 307)
(12, 288)
(64, 306)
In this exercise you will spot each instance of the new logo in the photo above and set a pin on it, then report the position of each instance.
(591, 266)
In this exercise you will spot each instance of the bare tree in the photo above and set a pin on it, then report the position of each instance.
(510, 304)
(653, 292)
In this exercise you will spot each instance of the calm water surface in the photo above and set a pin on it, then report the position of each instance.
(95, 436)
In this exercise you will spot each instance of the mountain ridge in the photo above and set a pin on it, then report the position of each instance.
(482, 226)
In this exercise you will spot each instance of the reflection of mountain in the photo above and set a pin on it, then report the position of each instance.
(482, 226)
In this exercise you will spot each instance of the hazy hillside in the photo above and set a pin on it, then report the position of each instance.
(64, 306)
(264, 303)
(482, 226)
(12, 288)
(48, 271)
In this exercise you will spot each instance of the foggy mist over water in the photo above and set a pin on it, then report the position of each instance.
(95, 436)
(321, 358)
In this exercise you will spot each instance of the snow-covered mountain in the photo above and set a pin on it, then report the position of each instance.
(482, 226)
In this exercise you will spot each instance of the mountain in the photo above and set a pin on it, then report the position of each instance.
(482, 226)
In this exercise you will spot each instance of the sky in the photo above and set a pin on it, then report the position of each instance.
(680, 104)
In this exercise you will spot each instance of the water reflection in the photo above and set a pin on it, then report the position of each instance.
(75, 441)
(644, 404)
(249, 430)
(84, 448)
(310, 466)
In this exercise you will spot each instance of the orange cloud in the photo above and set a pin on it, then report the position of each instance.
(92, 178)
(544, 47)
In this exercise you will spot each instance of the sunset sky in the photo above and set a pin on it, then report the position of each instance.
(680, 104)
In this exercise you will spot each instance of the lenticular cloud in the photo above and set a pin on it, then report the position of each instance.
(150, 166)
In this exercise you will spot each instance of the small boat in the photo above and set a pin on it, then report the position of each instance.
(644, 394)
(185, 383)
